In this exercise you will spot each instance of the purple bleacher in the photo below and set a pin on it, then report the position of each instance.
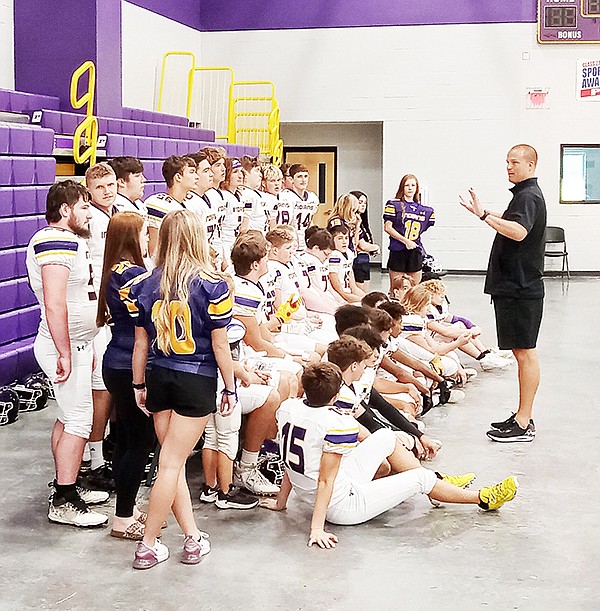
(16, 294)
(17, 360)
(20, 139)
(12, 264)
(22, 201)
(27, 170)
(67, 122)
(15, 232)
(151, 188)
(158, 148)
(21, 102)
(152, 170)
(19, 324)
(151, 116)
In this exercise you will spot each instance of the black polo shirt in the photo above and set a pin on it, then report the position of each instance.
(515, 269)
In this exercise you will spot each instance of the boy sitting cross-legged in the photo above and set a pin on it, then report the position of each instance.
(330, 470)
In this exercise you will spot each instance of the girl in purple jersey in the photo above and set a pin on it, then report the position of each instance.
(126, 243)
(184, 309)
(405, 220)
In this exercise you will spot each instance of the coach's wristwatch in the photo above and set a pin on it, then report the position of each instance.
(484, 215)
(141, 386)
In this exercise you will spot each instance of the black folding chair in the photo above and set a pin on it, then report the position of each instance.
(556, 236)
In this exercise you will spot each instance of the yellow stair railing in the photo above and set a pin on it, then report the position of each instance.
(86, 132)
(240, 112)
(163, 74)
(209, 98)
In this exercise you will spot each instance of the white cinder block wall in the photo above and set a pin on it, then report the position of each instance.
(146, 37)
(7, 70)
(452, 101)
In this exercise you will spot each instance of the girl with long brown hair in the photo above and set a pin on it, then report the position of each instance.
(184, 309)
(126, 243)
(405, 220)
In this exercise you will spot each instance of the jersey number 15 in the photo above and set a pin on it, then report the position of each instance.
(291, 447)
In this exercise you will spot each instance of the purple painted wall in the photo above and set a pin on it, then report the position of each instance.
(283, 14)
(216, 15)
(52, 40)
(186, 12)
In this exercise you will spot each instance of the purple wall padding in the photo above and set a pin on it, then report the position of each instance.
(214, 15)
(50, 44)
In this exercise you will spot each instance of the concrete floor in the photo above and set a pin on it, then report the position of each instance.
(538, 552)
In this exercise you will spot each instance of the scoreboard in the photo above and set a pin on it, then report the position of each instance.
(568, 21)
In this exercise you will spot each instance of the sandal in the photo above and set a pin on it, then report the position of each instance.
(134, 532)
(144, 516)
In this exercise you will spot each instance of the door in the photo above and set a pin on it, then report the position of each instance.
(322, 168)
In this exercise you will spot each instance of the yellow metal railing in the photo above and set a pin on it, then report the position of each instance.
(163, 71)
(251, 114)
(87, 131)
(240, 112)
(210, 98)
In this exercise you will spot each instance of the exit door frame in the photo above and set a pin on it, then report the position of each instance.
(318, 149)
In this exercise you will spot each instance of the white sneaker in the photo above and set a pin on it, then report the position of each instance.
(249, 477)
(75, 515)
(471, 373)
(456, 396)
(147, 557)
(505, 354)
(89, 497)
(492, 361)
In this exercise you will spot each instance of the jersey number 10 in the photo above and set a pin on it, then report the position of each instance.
(180, 323)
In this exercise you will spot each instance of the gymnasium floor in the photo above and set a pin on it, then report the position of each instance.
(538, 552)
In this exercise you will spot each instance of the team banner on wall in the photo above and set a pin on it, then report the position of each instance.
(588, 79)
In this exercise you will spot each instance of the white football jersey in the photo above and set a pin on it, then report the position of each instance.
(158, 206)
(285, 279)
(124, 204)
(267, 282)
(301, 211)
(255, 209)
(249, 299)
(304, 434)
(97, 240)
(232, 220)
(341, 264)
(317, 271)
(270, 205)
(56, 246)
(210, 219)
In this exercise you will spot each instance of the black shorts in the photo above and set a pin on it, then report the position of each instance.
(517, 322)
(406, 260)
(187, 394)
(362, 267)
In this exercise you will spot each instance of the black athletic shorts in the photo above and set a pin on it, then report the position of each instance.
(517, 322)
(406, 260)
(362, 267)
(187, 394)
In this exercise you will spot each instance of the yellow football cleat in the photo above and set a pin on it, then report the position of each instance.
(493, 497)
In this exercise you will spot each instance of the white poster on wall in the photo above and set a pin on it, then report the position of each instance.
(588, 80)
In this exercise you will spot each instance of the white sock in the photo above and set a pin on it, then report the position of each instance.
(249, 458)
(86, 452)
(96, 454)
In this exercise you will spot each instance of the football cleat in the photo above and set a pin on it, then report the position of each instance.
(462, 481)
(493, 497)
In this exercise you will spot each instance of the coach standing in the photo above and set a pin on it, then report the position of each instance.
(514, 280)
